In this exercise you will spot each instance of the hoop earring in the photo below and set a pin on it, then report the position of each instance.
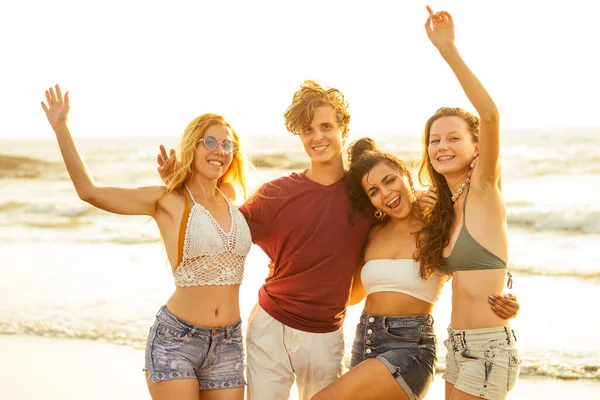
(412, 190)
(378, 214)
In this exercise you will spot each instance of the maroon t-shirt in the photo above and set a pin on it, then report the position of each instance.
(314, 239)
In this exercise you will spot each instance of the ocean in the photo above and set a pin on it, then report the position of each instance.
(69, 270)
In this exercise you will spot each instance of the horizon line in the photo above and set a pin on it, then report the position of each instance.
(289, 134)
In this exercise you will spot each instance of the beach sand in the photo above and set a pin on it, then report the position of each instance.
(36, 367)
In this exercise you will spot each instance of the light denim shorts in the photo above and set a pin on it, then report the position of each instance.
(482, 362)
(405, 345)
(178, 350)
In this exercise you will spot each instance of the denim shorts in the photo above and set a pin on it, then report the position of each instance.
(405, 345)
(178, 350)
(482, 362)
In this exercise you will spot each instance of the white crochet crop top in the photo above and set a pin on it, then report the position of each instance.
(210, 255)
(401, 276)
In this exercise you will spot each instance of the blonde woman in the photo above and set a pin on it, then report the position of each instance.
(194, 348)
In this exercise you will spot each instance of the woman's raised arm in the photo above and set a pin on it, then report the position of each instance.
(139, 201)
(440, 30)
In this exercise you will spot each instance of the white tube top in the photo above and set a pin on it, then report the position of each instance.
(401, 276)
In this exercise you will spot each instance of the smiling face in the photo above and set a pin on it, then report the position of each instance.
(323, 137)
(451, 147)
(389, 190)
(212, 164)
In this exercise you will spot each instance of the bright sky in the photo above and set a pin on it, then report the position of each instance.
(147, 68)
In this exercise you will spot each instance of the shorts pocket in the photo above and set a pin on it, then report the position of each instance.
(477, 354)
(171, 333)
(404, 334)
(337, 347)
(236, 336)
(253, 318)
(514, 368)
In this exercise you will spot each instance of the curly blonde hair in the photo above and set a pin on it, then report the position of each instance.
(310, 96)
(236, 174)
(434, 236)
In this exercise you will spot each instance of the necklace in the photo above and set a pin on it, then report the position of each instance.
(461, 189)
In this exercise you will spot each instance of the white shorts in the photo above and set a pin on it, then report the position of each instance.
(482, 362)
(278, 354)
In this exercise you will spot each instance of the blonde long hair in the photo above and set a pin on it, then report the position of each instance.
(236, 174)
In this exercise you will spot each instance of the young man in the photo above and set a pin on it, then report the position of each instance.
(304, 222)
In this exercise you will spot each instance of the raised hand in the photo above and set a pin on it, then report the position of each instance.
(166, 164)
(440, 28)
(57, 109)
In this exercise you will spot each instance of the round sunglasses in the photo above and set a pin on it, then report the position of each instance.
(211, 143)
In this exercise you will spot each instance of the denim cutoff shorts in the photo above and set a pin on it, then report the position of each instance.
(405, 345)
(482, 362)
(179, 350)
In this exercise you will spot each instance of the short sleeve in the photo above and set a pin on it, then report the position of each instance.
(258, 213)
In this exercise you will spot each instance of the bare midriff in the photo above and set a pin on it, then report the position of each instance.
(470, 291)
(206, 306)
(396, 304)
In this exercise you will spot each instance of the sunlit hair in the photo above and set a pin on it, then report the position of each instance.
(310, 96)
(235, 175)
(434, 236)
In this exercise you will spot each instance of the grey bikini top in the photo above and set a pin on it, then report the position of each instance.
(468, 254)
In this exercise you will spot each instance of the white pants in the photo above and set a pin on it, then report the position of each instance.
(277, 354)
